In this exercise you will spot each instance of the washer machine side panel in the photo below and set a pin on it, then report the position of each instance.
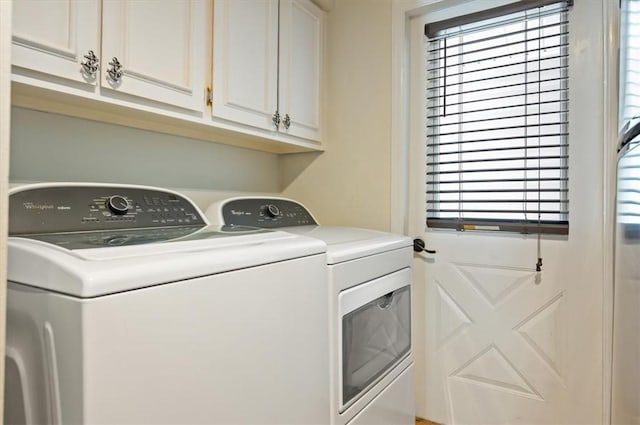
(44, 353)
(225, 348)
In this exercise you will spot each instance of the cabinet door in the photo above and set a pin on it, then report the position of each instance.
(72, 29)
(245, 67)
(161, 47)
(301, 52)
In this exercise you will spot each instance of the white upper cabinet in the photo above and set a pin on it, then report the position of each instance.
(300, 100)
(245, 62)
(151, 64)
(159, 47)
(267, 65)
(72, 30)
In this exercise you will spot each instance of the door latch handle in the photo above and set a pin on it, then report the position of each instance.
(419, 246)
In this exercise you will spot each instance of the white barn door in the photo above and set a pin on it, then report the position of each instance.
(496, 342)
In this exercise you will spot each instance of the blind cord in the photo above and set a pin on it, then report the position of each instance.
(444, 89)
(459, 132)
(526, 126)
(539, 263)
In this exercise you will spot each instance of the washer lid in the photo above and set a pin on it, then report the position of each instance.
(350, 243)
(91, 272)
(120, 238)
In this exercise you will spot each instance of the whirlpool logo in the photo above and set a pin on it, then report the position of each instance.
(32, 206)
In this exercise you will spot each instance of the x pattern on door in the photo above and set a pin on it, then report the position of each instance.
(496, 328)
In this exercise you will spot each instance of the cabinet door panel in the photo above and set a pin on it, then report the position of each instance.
(160, 46)
(57, 48)
(301, 44)
(245, 61)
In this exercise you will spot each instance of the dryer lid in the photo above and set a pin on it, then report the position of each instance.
(350, 243)
(343, 243)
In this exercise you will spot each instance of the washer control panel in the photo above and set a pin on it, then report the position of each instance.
(265, 213)
(68, 208)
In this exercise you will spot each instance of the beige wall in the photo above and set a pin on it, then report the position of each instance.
(349, 184)
(51, 147)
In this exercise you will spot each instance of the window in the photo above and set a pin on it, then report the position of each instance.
(497, 120)
(629, 61)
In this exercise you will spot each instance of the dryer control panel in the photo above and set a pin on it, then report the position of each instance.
(69, 208)
(265, 213)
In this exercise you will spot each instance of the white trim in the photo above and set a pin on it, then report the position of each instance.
(5, 124)
(610, 17)
(401, 12)
(399, 159)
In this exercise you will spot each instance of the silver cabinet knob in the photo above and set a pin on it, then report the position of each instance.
(286, 121)
(115, 70)
(90, 64)
(276, 119)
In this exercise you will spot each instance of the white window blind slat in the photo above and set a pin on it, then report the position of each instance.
(629, 61)
(497, 123)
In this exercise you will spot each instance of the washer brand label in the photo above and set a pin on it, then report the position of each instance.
(235, 212)
(32, 206)
(43, 207)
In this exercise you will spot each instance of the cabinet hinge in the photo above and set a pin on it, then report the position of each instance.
(209, 96)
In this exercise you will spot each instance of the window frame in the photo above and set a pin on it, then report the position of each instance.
(558, 226)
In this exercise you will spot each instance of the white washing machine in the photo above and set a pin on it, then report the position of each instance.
(125, 307)
(370, 309)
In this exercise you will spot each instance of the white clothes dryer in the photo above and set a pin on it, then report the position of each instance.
(369, 277)
(126, 307)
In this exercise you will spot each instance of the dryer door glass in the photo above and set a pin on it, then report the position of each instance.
(375, 337)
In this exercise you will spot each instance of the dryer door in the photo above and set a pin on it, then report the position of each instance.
(375, 332)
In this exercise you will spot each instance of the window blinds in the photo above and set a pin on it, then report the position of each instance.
(497, 122)
(629, 61)
(628, 202)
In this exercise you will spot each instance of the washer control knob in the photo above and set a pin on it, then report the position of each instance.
(118, 204)
(271, 211)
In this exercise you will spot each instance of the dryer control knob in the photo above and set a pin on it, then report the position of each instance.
(271, 210)
(118, 204)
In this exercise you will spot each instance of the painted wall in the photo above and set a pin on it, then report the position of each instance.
(349, 184)
(51, 147)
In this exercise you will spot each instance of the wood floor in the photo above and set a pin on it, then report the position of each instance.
(424, 422)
